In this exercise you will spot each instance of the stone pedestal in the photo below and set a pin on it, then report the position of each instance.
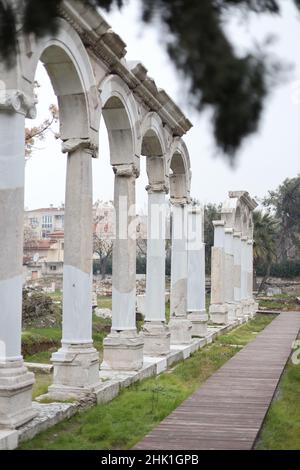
(15, 395)
(76, 371)
(123, 350)
(181, 330)
(156, 336)
(199, 323)
(231, 308)
(219, 314)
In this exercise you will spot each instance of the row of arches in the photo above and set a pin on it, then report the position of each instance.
(87, 91)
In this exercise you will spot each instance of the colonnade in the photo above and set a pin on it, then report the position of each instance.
(232, 261)
(91, 78)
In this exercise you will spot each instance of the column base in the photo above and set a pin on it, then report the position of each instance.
(231, 307)
(199, 323)
(15, 395)
(238, 310)
(253, 307)
(76, 371)
(181, 330)
(123, 350)
(246, 306)
(218, 314)
(156, 336)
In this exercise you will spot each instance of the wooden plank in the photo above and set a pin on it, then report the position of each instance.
(228, 410)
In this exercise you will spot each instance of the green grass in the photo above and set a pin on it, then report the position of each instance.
(241, 336)
(42, 382)
(281, 430)
(104, 302)
(124, 421)
(57, 295)
(38, 344)
(285, 302)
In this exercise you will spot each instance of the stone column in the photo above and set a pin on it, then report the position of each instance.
(180, 326)
(218, 309)
(76, 364)
(229, 274)
(15, 381)
(244, 275)
(237, 272)
(253, 306)
(155, 331)
(196, 273)
(123, 347)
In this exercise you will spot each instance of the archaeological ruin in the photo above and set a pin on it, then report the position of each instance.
(86, 63)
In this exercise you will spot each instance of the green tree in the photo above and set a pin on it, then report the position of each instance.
(284, 203)
(264, 247)
(234, 85)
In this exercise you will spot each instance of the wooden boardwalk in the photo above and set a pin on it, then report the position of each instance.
(228, 410)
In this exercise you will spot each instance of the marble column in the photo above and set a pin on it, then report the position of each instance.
(180, 326)
(123, 347)
(156, 333)
(244, 276)
(253, 306)
(229, 274)
(196, 273)
(237, 272)
(76, 364)
(15, 381)
(218, 309)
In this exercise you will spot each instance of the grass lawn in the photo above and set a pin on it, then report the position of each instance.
(124, 421)
(281, 430)
(285, 302)
(38, 344)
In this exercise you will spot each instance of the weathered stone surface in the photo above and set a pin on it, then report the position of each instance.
(103, 312)
(181, 330)
(123, 350)
(76, 371)
(199, 323)
(218, 314)
(8, 439)
(46, 416)
(15, 395)
(156, 336)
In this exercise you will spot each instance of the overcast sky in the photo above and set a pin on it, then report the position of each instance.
(263, 162)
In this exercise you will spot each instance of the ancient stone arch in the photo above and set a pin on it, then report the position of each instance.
(232, 260)
(87, 66)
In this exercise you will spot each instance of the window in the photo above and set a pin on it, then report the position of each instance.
(46, 233)
(34, 222)
(52, 268)
(47, 221)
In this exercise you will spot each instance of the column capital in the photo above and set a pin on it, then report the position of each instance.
(126, 170)
(71, 145)
(218, 223)
(250, 241)
(228, 231)
(157, 188)
(18, 102)
(244, 239)
(183, 201)
(237, 234)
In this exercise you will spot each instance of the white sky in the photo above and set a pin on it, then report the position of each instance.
(265, 160)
